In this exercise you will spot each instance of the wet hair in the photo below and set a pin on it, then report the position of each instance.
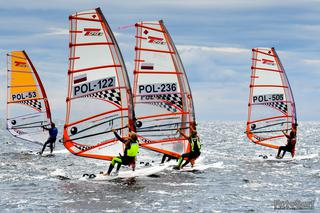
(194, 133)
(133, 136)
(292, 134)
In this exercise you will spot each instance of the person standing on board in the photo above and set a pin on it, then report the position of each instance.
(195, 147)
(53, 132)
(130, 152)
(291, 144)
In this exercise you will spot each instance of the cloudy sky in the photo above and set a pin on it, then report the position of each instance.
(213, 37)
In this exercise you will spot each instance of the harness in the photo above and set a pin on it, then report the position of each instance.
(134, 149)
(193, 142)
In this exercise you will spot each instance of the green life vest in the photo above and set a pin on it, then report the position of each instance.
(134, 149)
(193, 142)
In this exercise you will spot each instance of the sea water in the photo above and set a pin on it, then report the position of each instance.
(237, 180)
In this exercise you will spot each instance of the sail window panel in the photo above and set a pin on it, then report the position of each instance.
(85, 107)
(96, 56)
(267, 78)
(94, 131)
(157, 62)
(177, 146)
(268, 90)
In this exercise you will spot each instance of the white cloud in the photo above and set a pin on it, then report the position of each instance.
(230, 50)
(54, 31)
(311, 61)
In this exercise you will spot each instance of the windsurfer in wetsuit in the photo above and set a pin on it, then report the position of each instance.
(195, 147)
(130, 152)
(53, 132)
(165, 156)
(291, 143)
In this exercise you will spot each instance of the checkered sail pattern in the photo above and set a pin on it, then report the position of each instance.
(112, 95)
(173, 99)
(278, 105)
(164, 105)
(33, 103)
(82, 147)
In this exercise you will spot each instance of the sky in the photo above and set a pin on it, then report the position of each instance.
(214, 39)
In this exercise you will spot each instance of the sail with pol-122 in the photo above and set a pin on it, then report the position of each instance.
(99, 94)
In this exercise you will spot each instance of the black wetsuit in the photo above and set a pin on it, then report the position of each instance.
(287, 148)
(53, 132)
(194, 153)
(165, 156)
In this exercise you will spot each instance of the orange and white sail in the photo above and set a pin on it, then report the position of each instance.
(27, 104)
(271, 107)
(162, 96)
(99, 94)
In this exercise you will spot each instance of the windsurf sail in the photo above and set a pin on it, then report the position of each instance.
(27, 104)
(162, 97)
(271, 107)
(99, 94)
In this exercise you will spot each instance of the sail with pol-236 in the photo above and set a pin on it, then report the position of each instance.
(162, 96)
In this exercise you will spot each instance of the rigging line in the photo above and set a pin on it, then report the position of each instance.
(271, 131)
(154, 135)
(99, 133)
(93, 126)
(160, 125)
(107, 117)
(160, 130)
(272, 125)
(28, 127)
(25, 124)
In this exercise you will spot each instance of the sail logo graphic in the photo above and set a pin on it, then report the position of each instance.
(156, 40)
(268, 62)
(20, 64)
(92, 32)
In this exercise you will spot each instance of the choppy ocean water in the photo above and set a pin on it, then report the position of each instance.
(237, 181)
